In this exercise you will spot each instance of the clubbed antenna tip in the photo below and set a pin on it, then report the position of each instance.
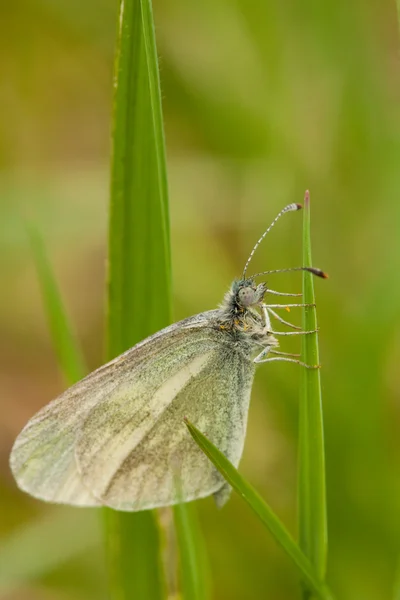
(299, 206)
(317, 272)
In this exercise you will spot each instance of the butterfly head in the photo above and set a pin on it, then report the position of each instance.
(247, 293)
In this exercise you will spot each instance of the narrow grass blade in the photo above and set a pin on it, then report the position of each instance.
(68, 352)
(264, 513)
(22, 560)
(311, 492)
(194, 569)
(134, 558)
(139, 268)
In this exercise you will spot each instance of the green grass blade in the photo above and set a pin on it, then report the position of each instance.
(139, 268)
(264, 513)
(311, 492)
(139, 248)
(67, 350)
(194, 570)
(134, 559)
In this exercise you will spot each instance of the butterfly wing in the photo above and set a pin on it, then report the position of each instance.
(43, 456)
(134, 451)
(117, 437)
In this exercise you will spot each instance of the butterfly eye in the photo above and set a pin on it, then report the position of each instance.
(246, 296)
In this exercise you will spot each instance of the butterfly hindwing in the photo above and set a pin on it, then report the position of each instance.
(134, 450)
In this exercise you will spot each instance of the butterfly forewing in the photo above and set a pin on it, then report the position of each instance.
(42, 458)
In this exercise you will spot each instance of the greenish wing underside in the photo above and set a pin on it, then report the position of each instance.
(118, 438)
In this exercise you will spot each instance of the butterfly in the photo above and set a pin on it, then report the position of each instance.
(117, 438)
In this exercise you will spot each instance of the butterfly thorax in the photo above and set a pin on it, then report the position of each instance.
(240, 314)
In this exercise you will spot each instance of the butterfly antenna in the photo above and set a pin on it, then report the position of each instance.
(312, 270)
(288, 208)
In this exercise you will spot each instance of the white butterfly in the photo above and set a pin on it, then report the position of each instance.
(118, 438)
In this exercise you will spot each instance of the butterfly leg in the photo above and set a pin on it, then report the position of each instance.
(288, 306)
(284, 353)
(267, 323)
(262, 358)
(267, 320)
(282, 320)
(295, 332)
(275, 293)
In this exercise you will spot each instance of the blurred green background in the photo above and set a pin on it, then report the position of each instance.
(261, 100)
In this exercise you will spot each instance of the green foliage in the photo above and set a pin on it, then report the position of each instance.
(261, 100)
